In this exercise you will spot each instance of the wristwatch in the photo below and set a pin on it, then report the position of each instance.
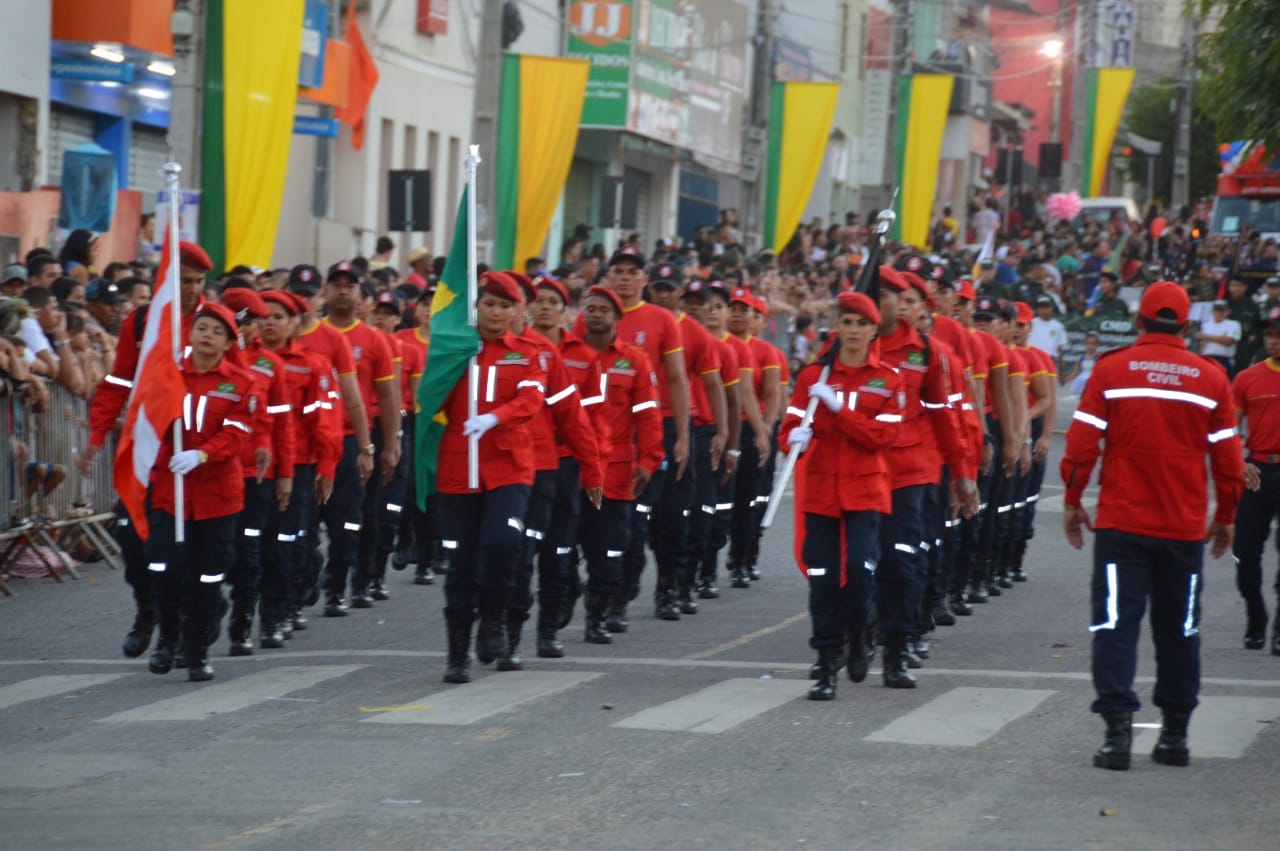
(371, 450)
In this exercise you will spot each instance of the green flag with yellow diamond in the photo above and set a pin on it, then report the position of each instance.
(454, 340)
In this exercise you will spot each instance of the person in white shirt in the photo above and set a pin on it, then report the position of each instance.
(1047, 333)
(1218, 337)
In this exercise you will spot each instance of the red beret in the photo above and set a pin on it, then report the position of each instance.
(892, 278)
(1165, 295)
(859, 303)
(503, 285)
(1025, 313)
(244, 303)
(220, 313)
(525, 283)
(605, 292)
(291, 303)
(190, 254)
(552, 284)
(914, 280)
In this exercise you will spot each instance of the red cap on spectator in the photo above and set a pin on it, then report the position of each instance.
(244, 303)
(1025, 312)
(859, 303)
(1165, 296)
(290, 302)
(191, 254)
(503, 285)
(609, 294)
(893, 279)
(220, 313)
(550, 283)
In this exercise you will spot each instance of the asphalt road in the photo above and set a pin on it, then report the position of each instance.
(680, 735)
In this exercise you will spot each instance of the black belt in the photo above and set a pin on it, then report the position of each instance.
(1257, 458)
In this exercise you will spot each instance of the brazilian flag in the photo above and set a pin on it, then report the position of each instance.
(454, 341)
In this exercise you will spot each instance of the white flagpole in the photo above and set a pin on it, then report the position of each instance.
(473, 371)
(172, 173)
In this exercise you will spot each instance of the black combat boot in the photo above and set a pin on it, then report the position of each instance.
(685, 602)
(664, 605)
(858, 657)
(1016, 573)
(597, 631)
(913, 659)
(942, 614)
(616, 619)
(361, 598)
(424, 574)
(378, 591)
(1171, 747)
(738, 577)
(1114, 753)
(510, 659)
(895, 662)
(1003, 564)
(195, 646)
(920, 645)
(161, 661)
(1255, 631)
(491, 636)
(959, 606)
(240, 629)
(138, 639)
(549, 647)
(573, 590)
(825, 687)
(459, 664)
(271, 616)
(1275, 631)
(298, 619)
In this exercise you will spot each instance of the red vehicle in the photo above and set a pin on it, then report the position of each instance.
(1248, 191)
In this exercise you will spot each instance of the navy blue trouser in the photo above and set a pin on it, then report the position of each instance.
(135, 558)
(391, 506)
(604, 539)
(485, 534)
(1253, 527)
(701, 504)
(938, 556)
(367, 547)
(999, 505)
(188, 577)
(969, 541)
(764, 492)
(900, 574)
(833, 609)
(556, 558)
(1127, 570)
(672, 537)
(746, 495)
(245, 572)
(342, 516)
(537, 519)
(286, 571)
(1025, 526)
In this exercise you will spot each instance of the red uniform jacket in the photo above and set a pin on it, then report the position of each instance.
(628, 387)
(932, 431)
(1256, 392)
(563, 418)
(273, 423)
(217, 418)
(845, 464)
(317, 432)
(1160, 408)
(510, 386)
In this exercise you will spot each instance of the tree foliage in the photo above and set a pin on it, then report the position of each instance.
(1151, 113)
(1241, 69)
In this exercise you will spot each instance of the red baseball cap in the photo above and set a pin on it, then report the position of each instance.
(965, 290)
(1271, 319)
(550, 283)
(1165, 296)
(387, 298)
(244, 303)
(760, 306)
(742, 295)
(605, 292)
(859, 303)
(293, 304)
(1025, 312)
(220, 313)
(191, 254)
(893, 279)
(503, 285)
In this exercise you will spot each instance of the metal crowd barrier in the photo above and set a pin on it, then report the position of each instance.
(74, 515)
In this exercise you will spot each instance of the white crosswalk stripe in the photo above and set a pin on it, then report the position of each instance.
(220, 698)
(38, 688)
(1221, 726)
(962, 717)
(476, 701)
(717, 708)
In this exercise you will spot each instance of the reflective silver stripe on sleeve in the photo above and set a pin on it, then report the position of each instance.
(1224, 434)
(1097, 422)
(795, 412)
(119, 382)
(643, 406)
(279, 409)
(562, 395)
(889, 418)
(239, 425)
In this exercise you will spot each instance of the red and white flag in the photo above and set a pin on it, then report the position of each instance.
(156, 402)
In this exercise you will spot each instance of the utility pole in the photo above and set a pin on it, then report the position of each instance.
(1181, 194)
(903, 60)
(485, 123)
(1086, 26)
(755, 147)
(187, 98)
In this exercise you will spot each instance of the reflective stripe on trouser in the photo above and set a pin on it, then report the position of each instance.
(764, 491)
(1127, 570)
(392, 506)
(834, 608)
(900, 575)
(286, 566)
(486, 535)
(941, 555)
(189, 578)
(245, 571)
(135, 558)
(342, 516)
(558, 555)
(746, 487)
(604, 537)
(647, 510)
(701, 505)
(537, 517)
(370, 515)
(1025, 523)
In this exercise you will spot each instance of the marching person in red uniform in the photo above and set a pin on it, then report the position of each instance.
(109, 400)
(1153, 411)
(627, 395)
(268, 484)
(486, 526)
(775, 361)
(847, 485)
(1256, 391)
(1042, 406)
(218, 414)
(317, 448)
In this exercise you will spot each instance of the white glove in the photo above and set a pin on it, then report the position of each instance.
(800, 435)
(185, 461)
(826, 394)
(476, 426)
